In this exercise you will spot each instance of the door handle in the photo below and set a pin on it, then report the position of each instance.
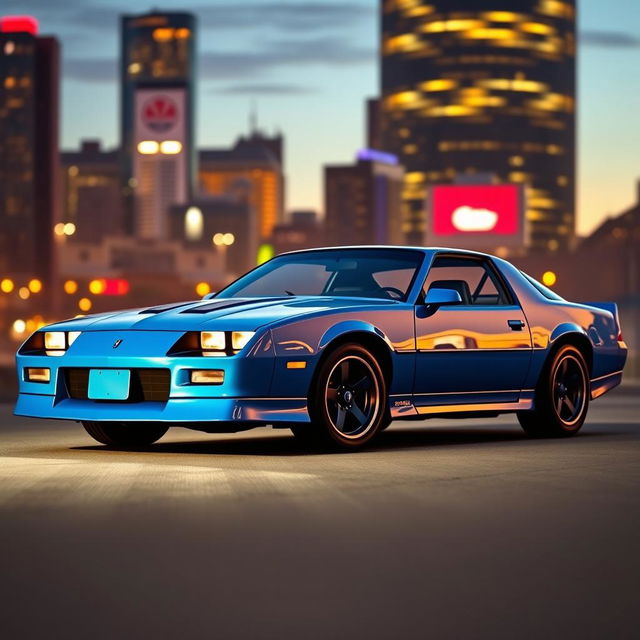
(516, 325)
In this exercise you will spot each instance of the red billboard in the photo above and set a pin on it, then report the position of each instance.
(479, 215)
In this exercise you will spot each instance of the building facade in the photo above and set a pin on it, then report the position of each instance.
(91, 192)
(253, 167)
(157, 78)
(363, 201)
(483, 86)
(29, 121)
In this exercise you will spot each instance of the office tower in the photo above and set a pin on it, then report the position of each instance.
(253, 167)
(302, 231)
(157, 79)
(30, 80)
(222, 225)
(363, 201)
(91, 192)
(483, 87)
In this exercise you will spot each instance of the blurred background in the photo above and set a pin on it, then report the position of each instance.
(148, 156)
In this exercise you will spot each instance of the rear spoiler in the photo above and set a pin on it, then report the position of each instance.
(611, 307)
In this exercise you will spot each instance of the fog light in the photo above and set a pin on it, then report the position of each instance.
(38, 375)
(207, 376)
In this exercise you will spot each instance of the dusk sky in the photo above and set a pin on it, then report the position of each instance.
(309, 65)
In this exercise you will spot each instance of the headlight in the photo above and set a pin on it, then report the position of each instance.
(239, 339)
(55, 340)
(213, 341)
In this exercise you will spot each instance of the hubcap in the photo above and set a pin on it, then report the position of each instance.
(569, 390)
(352, 397)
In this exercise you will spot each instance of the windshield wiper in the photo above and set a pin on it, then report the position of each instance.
(289, 293)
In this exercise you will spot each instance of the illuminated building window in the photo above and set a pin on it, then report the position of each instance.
(410, 149)
(501, 16)
(163, 34)
(491, 33)
(516, 161)
(563, 181)
(437, 26)
(442, 84)
(538, 28)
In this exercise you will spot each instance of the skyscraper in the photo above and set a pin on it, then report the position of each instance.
(91, 191)
(483, 87)
(363, 201)
(29, 81)
(253, 167)
(157, 81)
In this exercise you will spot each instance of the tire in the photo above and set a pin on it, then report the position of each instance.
(561, 398)
(348, 400)
(125, 435)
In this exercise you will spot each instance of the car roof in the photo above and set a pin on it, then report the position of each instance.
(390, 246)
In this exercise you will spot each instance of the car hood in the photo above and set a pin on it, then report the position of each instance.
(239, 314)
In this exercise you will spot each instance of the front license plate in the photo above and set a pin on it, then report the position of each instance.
(109, 384)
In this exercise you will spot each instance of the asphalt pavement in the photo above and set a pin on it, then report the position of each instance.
(444, 529)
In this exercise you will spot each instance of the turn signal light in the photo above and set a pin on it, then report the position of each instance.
(37, 375)
(207, 376)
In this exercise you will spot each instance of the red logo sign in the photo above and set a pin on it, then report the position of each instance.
(160, 114)
(476, 209)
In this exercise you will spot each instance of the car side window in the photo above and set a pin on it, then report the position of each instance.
(473, 279)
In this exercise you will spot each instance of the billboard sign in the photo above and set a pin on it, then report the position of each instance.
(477, 215)
(160, 114)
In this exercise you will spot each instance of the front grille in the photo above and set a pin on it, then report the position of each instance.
(147, 385)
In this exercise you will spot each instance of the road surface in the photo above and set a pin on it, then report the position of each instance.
(445, 529)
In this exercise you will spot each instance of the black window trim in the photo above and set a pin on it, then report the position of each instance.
(497, 278)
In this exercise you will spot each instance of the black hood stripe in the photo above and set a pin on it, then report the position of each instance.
(227, 304)
(165, 307)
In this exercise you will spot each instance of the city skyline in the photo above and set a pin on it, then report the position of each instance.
(315, 94)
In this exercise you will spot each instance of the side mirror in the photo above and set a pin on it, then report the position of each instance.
(209, 295)
(441, 297)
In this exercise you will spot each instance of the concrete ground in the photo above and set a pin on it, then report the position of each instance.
(444, 529)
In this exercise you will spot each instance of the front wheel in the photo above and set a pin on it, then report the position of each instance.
(562, 397)
(348, 399)
(125, 434)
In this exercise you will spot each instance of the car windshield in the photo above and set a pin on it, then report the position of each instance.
(364, 273)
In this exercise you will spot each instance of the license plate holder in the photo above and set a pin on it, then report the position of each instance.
(109, 384)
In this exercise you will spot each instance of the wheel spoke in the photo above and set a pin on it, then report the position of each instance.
(364, 384)
(344, 370)
(332, 394)
(569, 404)
(559, 404)
(357, 413)
(341, 415)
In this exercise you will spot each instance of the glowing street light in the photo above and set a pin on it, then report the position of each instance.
(84, 304)
(70, 287)
(223, 239)
(6, 285)
(35, 285)
(202, 289)
(549, 278)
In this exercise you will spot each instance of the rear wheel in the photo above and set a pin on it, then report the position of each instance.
(125, 434)
(348, 400)
(562, 397)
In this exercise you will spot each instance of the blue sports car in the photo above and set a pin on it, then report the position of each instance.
(333, 344)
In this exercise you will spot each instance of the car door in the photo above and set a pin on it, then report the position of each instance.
(476, 350)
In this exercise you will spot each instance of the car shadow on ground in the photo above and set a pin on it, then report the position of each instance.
(395, 439)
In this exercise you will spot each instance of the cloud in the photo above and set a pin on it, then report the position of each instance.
(90, 69)
(610, 39)
(307, 16)
(263, 89)
(230, 65)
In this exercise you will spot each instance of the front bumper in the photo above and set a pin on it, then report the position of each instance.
(244, 396)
